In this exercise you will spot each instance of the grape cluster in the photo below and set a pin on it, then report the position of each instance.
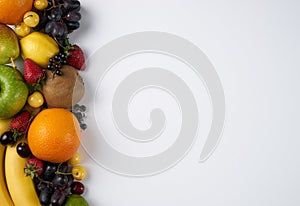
(56, 62)
(60, 18)
(56, 183)
(79, 112)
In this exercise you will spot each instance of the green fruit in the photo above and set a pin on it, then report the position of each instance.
(9, 45)
(13, 92)
(76, 200)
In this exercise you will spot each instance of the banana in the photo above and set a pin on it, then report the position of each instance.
(21, 188)
(4, 125)
(4, 194)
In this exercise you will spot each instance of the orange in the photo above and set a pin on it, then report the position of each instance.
(54, 135)
(12, 11)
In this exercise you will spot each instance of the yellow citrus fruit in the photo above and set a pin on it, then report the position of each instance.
(39, 47)
(12, 11)
(54, 135)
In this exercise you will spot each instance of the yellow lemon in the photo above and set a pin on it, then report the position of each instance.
(39, 47)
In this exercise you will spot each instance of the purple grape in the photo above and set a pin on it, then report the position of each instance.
(59, 30)
(45, 196)
(58, 198)
(60, 180)
(70, 180)
(55, 14)
(63, 167)
(73, 16)
(49, 171)
(50, 26)
(73, 25)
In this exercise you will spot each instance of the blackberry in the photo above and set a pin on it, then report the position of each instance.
(56, 62)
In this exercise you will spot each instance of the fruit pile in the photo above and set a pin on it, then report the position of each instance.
(40, 118)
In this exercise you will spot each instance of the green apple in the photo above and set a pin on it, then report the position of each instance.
(76, 200)
(13, 92)
(9, 45)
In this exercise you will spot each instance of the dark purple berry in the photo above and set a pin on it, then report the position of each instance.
(49, 171)
(23, 150)
(45, 196)
(60, 180)
(7, 138)
(58, 198)
(77, 188)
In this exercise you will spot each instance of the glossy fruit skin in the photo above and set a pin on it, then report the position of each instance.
(49, 171)
(77, 200)
(31, 19)
(22, 29)
(9, 45)
(60, 180)
(35, 100)
(75, 160)
(23, 150)
(76, 58)
(45, 196)
(40, 4)
(63, 167)
(32, 72)
(40, 185)
(78, 172)
(7, 138)
(38, 47)
(14, 96)
(58, 198)
(77, 188)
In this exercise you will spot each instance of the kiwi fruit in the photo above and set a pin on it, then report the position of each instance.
(63, 91)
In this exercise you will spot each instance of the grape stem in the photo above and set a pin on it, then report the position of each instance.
(61, 173)
(28, 16)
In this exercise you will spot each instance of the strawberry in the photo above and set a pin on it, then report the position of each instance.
(21, 122)
(76, 57)
(32, 72)
(34, 167)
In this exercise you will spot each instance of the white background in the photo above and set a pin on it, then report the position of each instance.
(255, 48)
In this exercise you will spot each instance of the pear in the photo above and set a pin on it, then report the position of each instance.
(9, 45)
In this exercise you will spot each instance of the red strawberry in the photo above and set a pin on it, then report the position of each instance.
(34, 167)
(76, 58)
(32, 72)
(21, 122)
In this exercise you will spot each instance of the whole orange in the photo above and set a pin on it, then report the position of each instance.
(12, 11)
(54, 135)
